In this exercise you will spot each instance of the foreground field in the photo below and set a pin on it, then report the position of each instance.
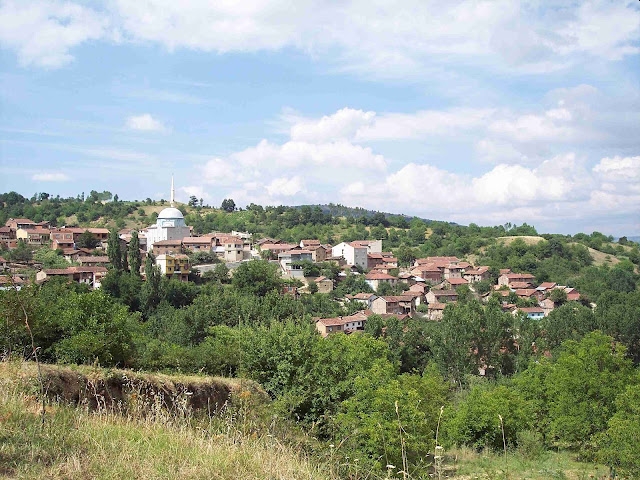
(153, 439)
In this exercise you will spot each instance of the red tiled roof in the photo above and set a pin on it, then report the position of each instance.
(531, 309)
(457, 281)
(547, 285)
(437, 306)
(168, 243)
(93, 259)
(379, 276)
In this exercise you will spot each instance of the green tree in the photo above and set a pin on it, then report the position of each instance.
(619, 444)
(256, 277)
(582, 387)
(87, 240)
(113, 250)
(228, 205)
(369, 422)
(135, 259)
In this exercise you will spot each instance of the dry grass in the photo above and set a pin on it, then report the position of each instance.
(529, 240)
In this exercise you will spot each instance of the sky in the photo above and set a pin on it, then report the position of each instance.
(465, 111)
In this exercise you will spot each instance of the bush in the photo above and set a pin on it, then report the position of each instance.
(530, 444)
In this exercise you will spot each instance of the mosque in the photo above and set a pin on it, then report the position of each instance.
(169, 226)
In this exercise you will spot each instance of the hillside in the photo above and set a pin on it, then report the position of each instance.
(139, 437)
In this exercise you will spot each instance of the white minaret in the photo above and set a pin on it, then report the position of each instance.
(173, 193)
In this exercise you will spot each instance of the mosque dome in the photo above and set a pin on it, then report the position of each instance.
(170, 214)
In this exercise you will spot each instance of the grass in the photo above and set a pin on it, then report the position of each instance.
(80, 443)
(144, 436)
(464, 463)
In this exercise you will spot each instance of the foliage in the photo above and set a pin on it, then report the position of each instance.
(113, 250)
(619, 444)
(87, 240)
(135, 258)
(583, 385)
(389, 413)
(476, 419)
(257, 277)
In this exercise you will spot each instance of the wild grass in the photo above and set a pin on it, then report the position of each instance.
(465, 463)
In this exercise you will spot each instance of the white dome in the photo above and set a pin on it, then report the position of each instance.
(170, 213)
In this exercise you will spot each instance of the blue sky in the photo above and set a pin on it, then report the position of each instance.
(466, 111)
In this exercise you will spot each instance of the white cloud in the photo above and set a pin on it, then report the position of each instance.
(622, 168)
(50, 177)
(145, 122)
(385, 39)
(42, 32)
(284, 186)
(344, 124)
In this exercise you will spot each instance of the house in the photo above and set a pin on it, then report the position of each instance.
(547, 306)
(17, 223)
(441, 296)
(375, 279)
(372, 246)
(546, 286)
(385, 258)
(176, 266)
(348, 324)
(93, 261)
(454, 282)
(366, 299)
(199, 244)
(534, 313)
(9, 282)
(274, 249)
(509, 278)
(71, 254)
(309, 244)
(325, 285)
(354, 253)
(454, 270)
(528, 293)
(440, 262)
(7, 234)
(233, 247)
(420, 288)
(572, 294)
(435, 311)
(395, 304)
(91, 276)
(3, 264)
(290, 262)
(34, 235)
(477, 274)
(429, 272)
(167, 247)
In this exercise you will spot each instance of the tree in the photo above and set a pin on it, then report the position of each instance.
(228, 205)
(257, 277)
(22, 252)
(87, 240)
(135, 259)
(113, 250)
(583, 385)
(193, 201)
(618, 446)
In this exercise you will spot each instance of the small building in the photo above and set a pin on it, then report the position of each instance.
(454, 282)
(325, 285)
(290, 262)
(93, 261)
(171, 247)
(509, 278)
(348, 324)
(534, 313)
(375, 279)
(441, 296)
(34, 235)
(395, 304)
(435, 311)
(477, 274)
(175, 266)
(91, 276)
(199, 244)
(366, 299)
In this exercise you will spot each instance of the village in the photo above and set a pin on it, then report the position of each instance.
(422, 289)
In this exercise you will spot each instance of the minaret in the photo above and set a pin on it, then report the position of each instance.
(173, 193)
